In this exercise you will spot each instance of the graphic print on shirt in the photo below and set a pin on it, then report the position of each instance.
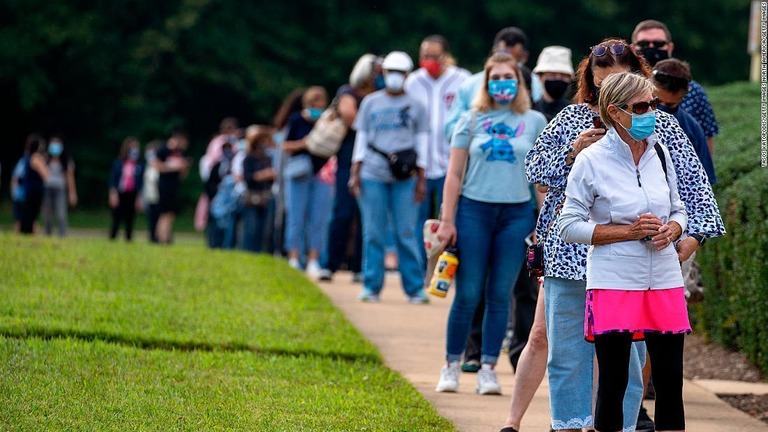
(500, 144)
(391, 118)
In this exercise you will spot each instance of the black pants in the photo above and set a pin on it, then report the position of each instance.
(666, 350)
(30, 211)
(153, 214)
(124, 212)
(344, 216)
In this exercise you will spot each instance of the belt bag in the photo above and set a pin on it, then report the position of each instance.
(402, 164)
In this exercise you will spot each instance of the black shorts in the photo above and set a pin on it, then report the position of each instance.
(168, 201)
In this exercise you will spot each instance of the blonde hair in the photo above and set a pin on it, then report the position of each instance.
(314, 94)
(618, 89)
(258, 137)
(483, 100)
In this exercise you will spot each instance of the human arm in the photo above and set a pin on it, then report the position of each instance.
(453, 178)
(37, 163)
(71, 186)
(347, 109)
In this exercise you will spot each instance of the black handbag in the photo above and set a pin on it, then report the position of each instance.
(402, 164)
(534, 254)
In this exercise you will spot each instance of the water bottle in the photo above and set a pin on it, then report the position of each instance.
(445, 271)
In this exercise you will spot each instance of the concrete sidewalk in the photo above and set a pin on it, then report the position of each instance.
(411, 339)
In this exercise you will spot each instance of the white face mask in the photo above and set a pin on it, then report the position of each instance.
(394, 81)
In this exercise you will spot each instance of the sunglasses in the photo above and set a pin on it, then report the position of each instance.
(654, 43)
(641, 107)
(615, 48)
(664, 78)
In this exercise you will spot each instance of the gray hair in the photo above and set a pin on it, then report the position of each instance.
(618, 89)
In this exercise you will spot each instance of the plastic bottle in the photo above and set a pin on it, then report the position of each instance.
(445, 271)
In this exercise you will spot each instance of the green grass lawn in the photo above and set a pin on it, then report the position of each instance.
(110, 336)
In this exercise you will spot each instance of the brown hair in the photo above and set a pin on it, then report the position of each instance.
(314, 94)
(258, 137)
(586, 88)
(290, 105)
(650, 25)
(483, 100)
(126, 146)
(672, 75)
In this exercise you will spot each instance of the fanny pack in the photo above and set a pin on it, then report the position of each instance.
(402, 164)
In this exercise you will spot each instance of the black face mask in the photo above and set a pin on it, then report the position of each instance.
(556, 88)
(669, 110)
(654, 55)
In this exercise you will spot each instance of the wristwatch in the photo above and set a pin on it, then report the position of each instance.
(699, 238)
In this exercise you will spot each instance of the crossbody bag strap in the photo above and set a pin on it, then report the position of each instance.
(662, 158)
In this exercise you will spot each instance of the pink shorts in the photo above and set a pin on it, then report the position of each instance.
(636, 312)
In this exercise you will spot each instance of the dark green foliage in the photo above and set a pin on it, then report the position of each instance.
(734, 268)
(100, 71)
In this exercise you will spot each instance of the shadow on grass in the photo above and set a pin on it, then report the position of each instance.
(184, 346)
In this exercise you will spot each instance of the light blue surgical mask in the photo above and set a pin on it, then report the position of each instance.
(503, 91)
(642, 125)
(55, 148)
(133, 154)
(314, 113)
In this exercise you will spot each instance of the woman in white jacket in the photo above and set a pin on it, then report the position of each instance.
(623, 200)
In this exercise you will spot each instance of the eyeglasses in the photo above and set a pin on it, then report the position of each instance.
(615, 48)
(641, 107)
(654, 43)
(666, 79)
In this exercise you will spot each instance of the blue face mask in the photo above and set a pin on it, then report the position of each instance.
(503, 91)
(642, 125)
(55, 148)
(314, 113)
(133, 154)
(378, 82)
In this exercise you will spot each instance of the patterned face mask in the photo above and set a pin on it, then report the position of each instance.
(503, 91)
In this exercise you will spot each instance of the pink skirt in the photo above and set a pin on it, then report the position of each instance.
(636, 312)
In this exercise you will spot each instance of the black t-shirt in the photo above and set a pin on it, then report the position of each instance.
(169, 179)
(253, 164)
(550, 110)
(298, 128)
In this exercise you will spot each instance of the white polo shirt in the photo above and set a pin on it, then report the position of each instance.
(436, 95)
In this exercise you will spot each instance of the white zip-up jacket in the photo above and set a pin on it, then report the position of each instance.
(606, 187)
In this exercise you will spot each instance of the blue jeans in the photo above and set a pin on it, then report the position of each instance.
(491, 250)
(254, 227)
(429, 208)
(376, 200)
(345, 213)
(308, 208)
(570, 363)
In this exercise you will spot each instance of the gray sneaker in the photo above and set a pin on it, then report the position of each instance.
(368, 296)
(418, 298)
(325, 275)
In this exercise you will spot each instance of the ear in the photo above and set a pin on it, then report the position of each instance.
(671, 48)
(613, 113)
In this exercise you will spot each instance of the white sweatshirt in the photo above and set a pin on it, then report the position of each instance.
(605, 187)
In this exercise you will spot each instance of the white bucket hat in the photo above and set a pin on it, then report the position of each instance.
(554, 59)
(398, 61)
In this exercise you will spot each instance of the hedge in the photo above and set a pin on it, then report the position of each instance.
(734, 269)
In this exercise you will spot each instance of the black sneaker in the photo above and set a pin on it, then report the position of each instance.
(644, 422)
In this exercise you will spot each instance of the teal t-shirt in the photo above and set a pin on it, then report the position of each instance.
(496, 167)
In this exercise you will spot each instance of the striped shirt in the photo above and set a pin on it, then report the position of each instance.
(436, 95)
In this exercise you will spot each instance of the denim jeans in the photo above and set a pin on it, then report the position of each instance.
(55, 210)
(570, 363)
(308, 208)
(429, 208)
(254, 227)
(345, 213)
(491, 250)
(377, 199)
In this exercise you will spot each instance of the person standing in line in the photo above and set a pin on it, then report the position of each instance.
(60, 189)
(634, 281)
(35, 174)
(149, 192)
(390, 121)
(258, 174)
(488, 223)
(172, 165)
(653, 40)
(555, 70)
(308, 197)
(346, 214)
(18, 195)
(125, 184)
(435, 84)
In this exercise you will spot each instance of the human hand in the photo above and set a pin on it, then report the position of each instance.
(420, 191)
(113, 199)
(354, 185)
(646, 225)
(667, 234)
(586, 138)
(686, 248)
(446, 234)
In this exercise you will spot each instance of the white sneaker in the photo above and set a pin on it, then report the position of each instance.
(449, 378)
(313, 269)
(368, 296)
(487, 381)
(295, 264)
(325, 275)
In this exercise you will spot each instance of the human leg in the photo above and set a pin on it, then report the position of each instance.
(404, 215)
(47, 210)
(297, 199)
(320, 201)
(667, 372)
(373, 198)
(117, 213)
(531, 367)
(129, 214)
(570, 358)
(429, 208)
(522, 313)
(633, 397)
(612, 351)
(342, 218)
(60, 211)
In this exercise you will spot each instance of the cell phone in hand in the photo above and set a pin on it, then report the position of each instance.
(597, 122)
(529, 239)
